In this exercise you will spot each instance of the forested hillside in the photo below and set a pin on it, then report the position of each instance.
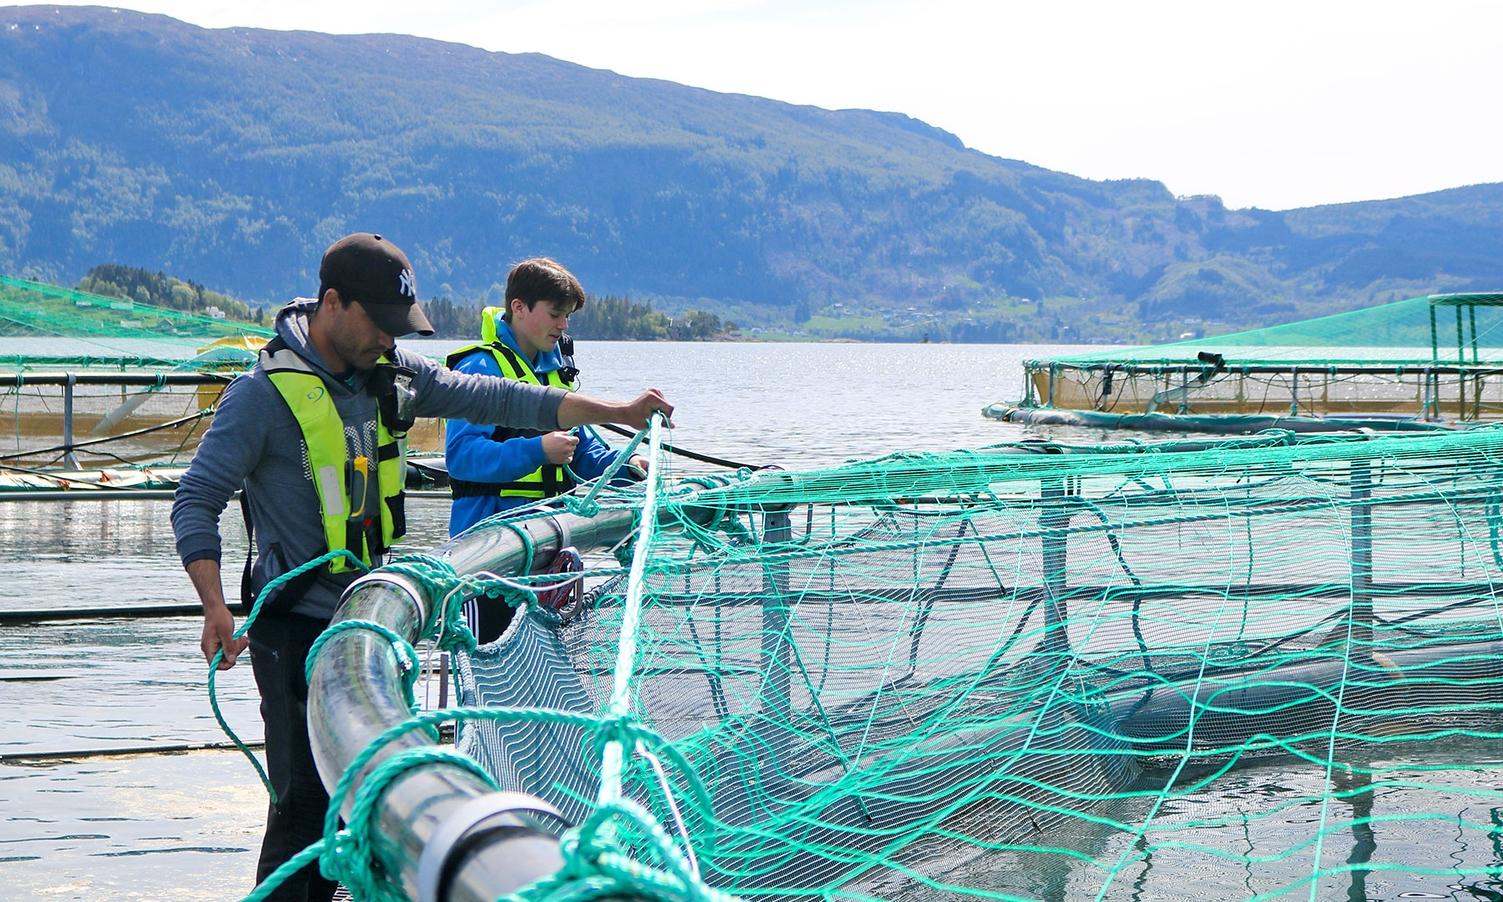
(232, 157)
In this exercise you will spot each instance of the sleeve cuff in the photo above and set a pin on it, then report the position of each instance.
(206, 554)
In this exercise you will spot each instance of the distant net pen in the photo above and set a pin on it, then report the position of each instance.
(1419, 364)
(90, 382)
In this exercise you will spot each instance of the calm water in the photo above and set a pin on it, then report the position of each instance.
(187, 826)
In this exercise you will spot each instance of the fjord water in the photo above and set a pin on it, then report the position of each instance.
(187, 825)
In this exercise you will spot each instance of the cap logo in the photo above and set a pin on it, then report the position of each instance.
(405, 285)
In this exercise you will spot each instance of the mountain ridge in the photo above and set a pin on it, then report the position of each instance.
(231, 157)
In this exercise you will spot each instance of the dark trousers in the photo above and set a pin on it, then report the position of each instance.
(279, 645)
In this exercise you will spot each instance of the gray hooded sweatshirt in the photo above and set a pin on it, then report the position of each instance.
(255, 442)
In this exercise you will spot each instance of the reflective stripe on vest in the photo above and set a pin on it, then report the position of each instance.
(307, 396)
(544, 482)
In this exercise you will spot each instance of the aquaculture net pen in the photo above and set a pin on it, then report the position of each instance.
(1034, 671)
(1431, 358)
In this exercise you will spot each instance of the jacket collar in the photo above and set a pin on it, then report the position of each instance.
(546, 362)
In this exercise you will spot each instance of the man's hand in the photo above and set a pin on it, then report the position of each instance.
(639, 462)
(577, 410)
(219, 632)
(219, 623)
(559, 447)
(636, 414)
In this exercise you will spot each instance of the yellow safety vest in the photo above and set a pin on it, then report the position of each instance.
(549, 479)
(345, 525)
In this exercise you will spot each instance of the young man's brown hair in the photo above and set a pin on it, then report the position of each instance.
(542, 279)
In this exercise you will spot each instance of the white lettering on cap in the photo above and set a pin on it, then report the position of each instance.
(406, 286)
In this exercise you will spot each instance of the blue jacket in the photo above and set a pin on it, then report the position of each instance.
(471, 454)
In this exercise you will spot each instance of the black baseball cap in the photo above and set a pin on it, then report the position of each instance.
(367, 268)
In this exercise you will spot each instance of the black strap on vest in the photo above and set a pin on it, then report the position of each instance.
(247, 597)
(555, 479)
(397, 504)
(511, 357)
(550, 485)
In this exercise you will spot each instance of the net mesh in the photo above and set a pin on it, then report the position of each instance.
(40, 309)
(95, 422)
(1432, 358)
(1258, 668)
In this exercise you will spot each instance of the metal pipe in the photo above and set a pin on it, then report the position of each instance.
(112, 611)
(1472, 315)
(1387, 368)
(68, 456)
(1434, 338)
(1054, 520)
(1460, 339)
(13, 379)
(87, 494)
(777, 651)
(1461, 359)
(355, 694)
(1362, 555)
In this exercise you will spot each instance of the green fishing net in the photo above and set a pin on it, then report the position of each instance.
(1268, 667)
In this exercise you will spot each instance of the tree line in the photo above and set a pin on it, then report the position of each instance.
(606, 318)
(133, 283)
(603, 318)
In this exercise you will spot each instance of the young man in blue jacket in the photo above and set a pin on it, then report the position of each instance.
(497, 468)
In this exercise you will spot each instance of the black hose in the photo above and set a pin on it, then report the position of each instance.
(156, 610)
(702, 458)
(160, 748)
(170, 424)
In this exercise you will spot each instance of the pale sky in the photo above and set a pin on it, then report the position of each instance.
(1274, 104)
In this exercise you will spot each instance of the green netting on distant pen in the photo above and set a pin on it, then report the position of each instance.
(1467, 328)
(1433, 358)
(1260, 668)
(38, 309)
(90, 381)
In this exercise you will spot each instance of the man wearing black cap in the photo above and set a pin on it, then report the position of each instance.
(312, 434)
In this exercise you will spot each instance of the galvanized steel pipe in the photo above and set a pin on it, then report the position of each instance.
(355, 694)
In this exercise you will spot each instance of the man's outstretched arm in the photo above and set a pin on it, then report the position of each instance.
(579, 410)
(480, 398)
